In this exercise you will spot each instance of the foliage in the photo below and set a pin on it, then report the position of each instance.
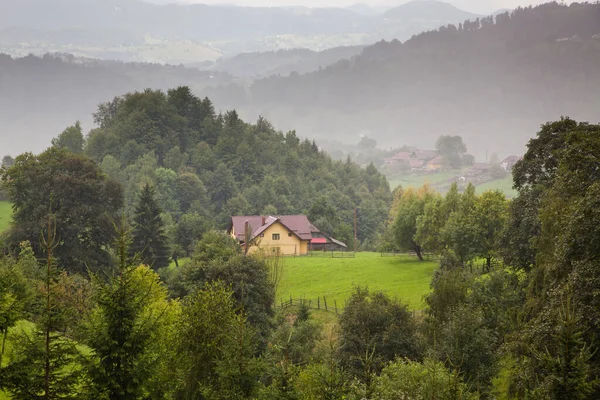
(452, 149)
(410, 207)
(125, 329)
(420, 381)
(207, 167)
(70, 139)
(83, 201)
(43, 361)
(375, 329)
(149, 240)
(216, 347)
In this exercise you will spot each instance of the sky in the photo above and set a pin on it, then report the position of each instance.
(477, 6)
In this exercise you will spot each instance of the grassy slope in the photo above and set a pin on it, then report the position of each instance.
(439, 181)
(310, 277)
(5, 215)
(505, 184)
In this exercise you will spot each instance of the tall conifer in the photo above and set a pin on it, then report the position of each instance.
(149, 238)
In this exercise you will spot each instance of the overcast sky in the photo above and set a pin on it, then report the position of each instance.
(478, 6)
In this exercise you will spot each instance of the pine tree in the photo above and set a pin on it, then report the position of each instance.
(149, 238)
(125, 330)
(43, 361)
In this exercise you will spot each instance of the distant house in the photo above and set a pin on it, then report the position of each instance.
(425, 155)
(509, 162)
(435, 164)
(282, 235)
(399, 158)
(415, 164)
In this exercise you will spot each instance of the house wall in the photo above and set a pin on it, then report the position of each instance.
(287, 245)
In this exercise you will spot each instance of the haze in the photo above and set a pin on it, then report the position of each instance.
(487, 6)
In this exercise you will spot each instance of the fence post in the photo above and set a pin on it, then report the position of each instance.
(291, 301)
(325, 301)
(319, 302)
(309, 303)
(335, 304)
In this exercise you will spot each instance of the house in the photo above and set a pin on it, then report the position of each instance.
(509, 162)
(416, 165)
(282, 235)
(425, 155)
(402, 157)
(435, 164)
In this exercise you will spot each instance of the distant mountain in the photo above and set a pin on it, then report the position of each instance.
(363, 9)
(283, 62)
(492, 80)
(39, 97)
(135, 30)
(429, 10)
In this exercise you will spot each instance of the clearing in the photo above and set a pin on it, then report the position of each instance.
(441, 181)
(403, 277)
(5, 215)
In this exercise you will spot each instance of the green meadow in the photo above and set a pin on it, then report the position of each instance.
(403, 277)
(5, 215)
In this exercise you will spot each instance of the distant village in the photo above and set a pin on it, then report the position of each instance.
(430, 161)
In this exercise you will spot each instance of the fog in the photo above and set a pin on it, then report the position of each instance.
(494, 83)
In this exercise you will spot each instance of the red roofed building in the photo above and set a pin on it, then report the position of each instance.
(282, 235)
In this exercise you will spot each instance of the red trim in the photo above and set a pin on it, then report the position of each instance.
(318, 240)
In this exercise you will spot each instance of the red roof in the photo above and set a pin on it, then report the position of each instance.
(437, 160)
(416, 163)
(319, 240)
(298, 224)
(403, 155)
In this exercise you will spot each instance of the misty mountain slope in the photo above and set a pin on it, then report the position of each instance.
(494, 81)
(39, 97)
(134, 30)
(283, 62)
(429, 10)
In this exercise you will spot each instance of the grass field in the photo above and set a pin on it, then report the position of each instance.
(505, 184)
(5, 215)
(402, 277)
(440, 182)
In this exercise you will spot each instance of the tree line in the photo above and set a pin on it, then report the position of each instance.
(532, 314)
(86, 311)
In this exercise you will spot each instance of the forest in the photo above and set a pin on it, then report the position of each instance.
(94, 303)
(493, 76)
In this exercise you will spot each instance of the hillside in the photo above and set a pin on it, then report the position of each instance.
(283, 62)
(491, 78)
(429, 9)
(41, 96)
(128, 29)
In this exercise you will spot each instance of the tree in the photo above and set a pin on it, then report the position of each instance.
(215, 350)
(42, 363)
(15, 296)
(409, 208)
(126, 328)
(452, 149)
(190, 228)
(435, 215)
(7, 161)
(70, 139)
(420, 381)
(490, 214)
(374, 330)
(83, 199)
(149, 238)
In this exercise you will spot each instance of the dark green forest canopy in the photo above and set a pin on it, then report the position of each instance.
(207, 167)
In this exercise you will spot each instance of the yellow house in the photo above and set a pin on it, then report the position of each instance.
(284, 235)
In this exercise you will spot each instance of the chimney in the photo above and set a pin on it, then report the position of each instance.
(263, 221)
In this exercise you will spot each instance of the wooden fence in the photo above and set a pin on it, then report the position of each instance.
(320, 303)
